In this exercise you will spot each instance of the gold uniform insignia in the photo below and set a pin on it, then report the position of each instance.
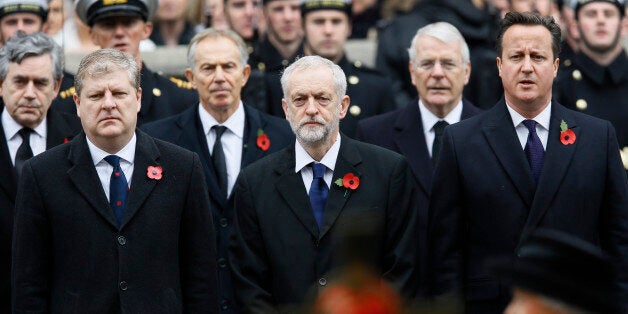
(180, 83)
(581, 104)
(576, 75)
(67, 93)
(353, 80)
(355, 110)
(112, 2)
(156, 92)
(567, 63)
(261, 66)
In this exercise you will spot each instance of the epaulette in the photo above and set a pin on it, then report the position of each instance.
(181, 83)
(67, 93)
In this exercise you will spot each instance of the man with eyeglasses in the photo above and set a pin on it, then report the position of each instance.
(439, 67)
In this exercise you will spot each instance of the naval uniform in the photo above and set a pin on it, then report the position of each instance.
(599, 91)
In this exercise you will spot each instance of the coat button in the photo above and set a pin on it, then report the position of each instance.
(122, 240)
(223, 222)
(322, 281)
(222, 262)
(123, 285)
(224, 304)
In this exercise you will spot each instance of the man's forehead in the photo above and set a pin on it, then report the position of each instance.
(21, 15)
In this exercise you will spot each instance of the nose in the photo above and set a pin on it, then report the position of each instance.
(438, 70)
(118, 29)
(29, 93)
(527, 65)
(328, 27)
(108, 101)
(311, 109)
(219, 75)
(249, 9)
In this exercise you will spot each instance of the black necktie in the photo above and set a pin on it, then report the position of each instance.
(118, 188)
(24, 152)
(218, 159)
(318, 192)
(439, 127)
(534, 149)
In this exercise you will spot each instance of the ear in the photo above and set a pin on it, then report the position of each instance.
(467, 70)
(77, 102)
(138, 95)
(246, 73)
(147, 30)
(93, 37)
(344, 106)
(411, 70)
(499, 65)
(189, 74)
(57, 87)
(1, 89)
(556, 64)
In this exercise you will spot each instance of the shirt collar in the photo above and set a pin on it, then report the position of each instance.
(302, 158)
(429, 119)
(11, 127)
(543, 118)
(127, 152)
(235, 123)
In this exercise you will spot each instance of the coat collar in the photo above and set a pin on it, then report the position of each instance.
(83, 172)
(291, 182)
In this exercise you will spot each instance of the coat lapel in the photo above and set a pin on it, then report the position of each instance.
(348, 159)
(8, 181)
(146, 154)
(410, 140)
(290, 187)
(502, 139)
(192, 137)
(557, 160)
(253, 123)
(83, 175)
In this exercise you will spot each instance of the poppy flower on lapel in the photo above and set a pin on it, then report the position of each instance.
(66, 139)
(154, 172)
(567, 135)
(263, 142)
(349, 181)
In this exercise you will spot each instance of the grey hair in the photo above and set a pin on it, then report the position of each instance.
(21, 46)
(442, 31)
(308, 62)
(104, 61)
(215, 34)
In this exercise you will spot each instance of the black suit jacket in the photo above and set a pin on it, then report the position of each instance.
(485, 202)
(186, 131)
(278, 252)
(402, 131)
(70, 255)
(61, 128)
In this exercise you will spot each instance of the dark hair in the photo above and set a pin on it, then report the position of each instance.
(531, 19)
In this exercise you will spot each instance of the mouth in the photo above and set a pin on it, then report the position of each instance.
(527, 83)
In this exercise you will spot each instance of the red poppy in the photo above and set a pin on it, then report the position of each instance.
(567, 137)
(350, 181)
(154, 172)
(263, 142)
(65, 140)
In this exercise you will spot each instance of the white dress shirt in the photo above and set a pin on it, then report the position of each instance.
(231, 140)
(14, 140)
(303, 159)
(542, 125)
(429, 119)
(104, 169)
